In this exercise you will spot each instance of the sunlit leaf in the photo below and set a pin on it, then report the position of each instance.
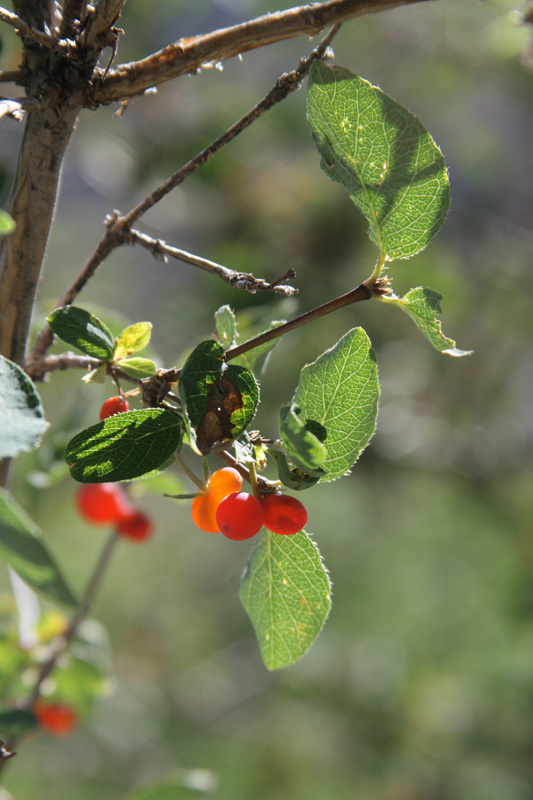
(287, 595)
(383, 156)
(137, 367)
(423, 305)
(97, 375)
(225, 326)
(132, 339)
(301, 445)
(83, 330)
(22, 420)
(124, 446)
(340, 390)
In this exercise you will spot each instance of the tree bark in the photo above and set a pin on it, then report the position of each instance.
(46, 136)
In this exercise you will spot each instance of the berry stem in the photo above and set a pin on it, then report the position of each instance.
(253, 481)
(202, 485)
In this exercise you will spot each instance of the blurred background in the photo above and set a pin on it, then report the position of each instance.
(420, 686)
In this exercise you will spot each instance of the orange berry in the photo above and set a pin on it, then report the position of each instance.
(225, 481)
(203, 512)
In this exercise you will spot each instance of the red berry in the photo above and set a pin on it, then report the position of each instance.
(115, 405)
(58, 719)
(101, 503)
(284, 514)
(136, 526)
(240, 516)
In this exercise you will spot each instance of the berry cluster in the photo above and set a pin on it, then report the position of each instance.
(107, 503)
(223, 508)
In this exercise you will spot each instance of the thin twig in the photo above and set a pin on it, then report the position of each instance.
(119, 227)
(69, 360)
(11, 76)
(64, 361)
(285, 84)
(64, 641)
(362, 292)
(85, 605)
(190, 54)
(237, 280)
(23, 29)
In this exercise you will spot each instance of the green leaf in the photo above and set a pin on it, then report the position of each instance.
(340, 390)
(7, 223)
(97, 375)
(124, 446)
(286, 593)
(219, 401)
(225, 326)
(292, 478)
(182, 785)
(22, 420)
(201, 369)
(21, 548)
(382, 155)
(15, 723)
(249, 389)
(132, 339)
(137, 367)
(83, 330)
(423, 305)
(303, 447)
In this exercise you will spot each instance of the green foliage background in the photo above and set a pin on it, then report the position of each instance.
(421, 684)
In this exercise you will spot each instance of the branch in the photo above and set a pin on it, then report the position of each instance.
(237, 280)
(67, 361)
(46, 135)
(11, 76)
(25, 30)
(189, 54)
(85, 605)
(118, 228)
(73, 10)
(362, 292)
(63, 642)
